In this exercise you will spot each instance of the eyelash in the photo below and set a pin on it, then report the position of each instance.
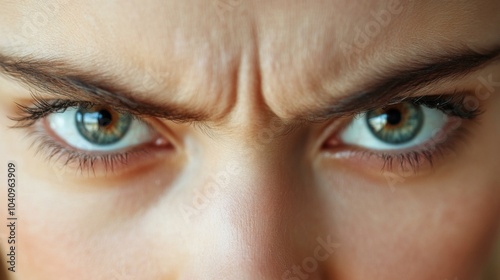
(452, 105)
(412, 161)
(86, 161)
(42, 108)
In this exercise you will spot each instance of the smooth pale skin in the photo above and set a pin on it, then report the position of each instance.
(251, 64)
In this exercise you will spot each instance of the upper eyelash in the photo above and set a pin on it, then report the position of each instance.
(412, 160)
(41, 108)
(451, 104)
(28, 116)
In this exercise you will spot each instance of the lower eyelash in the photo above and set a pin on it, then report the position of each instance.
(453, 105)
(86, 163)
(427, 153)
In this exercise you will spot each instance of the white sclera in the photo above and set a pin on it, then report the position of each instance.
(357, 133)
(64, 126)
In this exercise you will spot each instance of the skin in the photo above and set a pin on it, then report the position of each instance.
(253, 66)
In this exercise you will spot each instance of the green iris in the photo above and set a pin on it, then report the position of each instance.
(102, 126)
(396, 124)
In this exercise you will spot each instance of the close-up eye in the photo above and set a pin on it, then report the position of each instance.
(95, 137)
(394, 127)
(99, 129)
(409, 133)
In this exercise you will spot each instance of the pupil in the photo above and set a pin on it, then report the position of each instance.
(396, 125)
(101, 126)
(104, 118)
(393, 116)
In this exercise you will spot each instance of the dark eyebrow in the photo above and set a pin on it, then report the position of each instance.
(398, 83)
(57, 78)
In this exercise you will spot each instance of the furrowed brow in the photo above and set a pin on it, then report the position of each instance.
(400, 82)
(56, 78)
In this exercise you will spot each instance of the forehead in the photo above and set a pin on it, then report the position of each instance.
(206, 52)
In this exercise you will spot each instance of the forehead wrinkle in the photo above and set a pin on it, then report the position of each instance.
(311, 47)
(397, 42)
(311, 55)
(200, 59)
(190, 63)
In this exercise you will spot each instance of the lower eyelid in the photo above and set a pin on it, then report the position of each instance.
(98, 164)
(55, 150)
(358, 133)
(418, 158)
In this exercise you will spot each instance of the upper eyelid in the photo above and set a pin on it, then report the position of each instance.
(42, 106)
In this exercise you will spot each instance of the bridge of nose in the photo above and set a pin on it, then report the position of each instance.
(256, 216)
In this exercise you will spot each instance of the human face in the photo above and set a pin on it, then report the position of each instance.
(249, 154)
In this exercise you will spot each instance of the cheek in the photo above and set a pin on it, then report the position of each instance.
(94, 234)
(436, 228)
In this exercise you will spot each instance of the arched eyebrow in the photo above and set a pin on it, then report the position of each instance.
(57, 78)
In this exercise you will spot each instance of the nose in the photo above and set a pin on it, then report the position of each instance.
(258, 219)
